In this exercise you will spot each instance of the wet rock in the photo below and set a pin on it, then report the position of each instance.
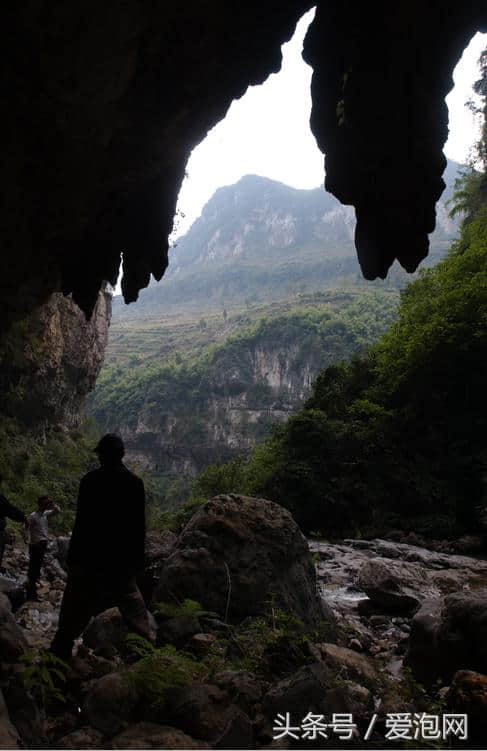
(107, 632)
(346, 660)
(9, 737)
(238, 554)
(109, 704)
(468, 695)
(388, 588)
(84, 737)
(149, 735)
(12, 639)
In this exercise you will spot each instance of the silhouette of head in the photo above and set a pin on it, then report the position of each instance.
(110, 448)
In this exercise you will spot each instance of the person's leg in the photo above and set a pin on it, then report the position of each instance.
(77, 607)
(132, 607)
(36, 557)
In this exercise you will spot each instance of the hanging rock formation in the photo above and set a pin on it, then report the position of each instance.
(105, 101)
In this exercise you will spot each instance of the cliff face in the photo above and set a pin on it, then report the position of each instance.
(50, 361)
(238, 402)
(182, 413)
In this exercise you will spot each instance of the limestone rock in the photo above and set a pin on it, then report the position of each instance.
(149, 735)
(242, 554)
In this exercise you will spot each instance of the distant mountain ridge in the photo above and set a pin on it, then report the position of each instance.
(258, 238)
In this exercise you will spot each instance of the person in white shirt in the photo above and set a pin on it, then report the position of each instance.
(38, 538)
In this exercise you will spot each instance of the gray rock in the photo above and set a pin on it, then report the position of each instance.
(389, 589)
(241, 554)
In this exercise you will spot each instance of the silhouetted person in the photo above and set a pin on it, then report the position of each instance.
(38, 528)
(106, 549)
(7, 511)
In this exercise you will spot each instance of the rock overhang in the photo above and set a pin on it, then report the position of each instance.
(106, 102)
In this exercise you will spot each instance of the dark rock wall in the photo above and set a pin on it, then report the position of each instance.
(104, 102)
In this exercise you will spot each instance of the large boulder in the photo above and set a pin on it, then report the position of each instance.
(12, 639)
(240, 557)
(449, 635)
(158, 547)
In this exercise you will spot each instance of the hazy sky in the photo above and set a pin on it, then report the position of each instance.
(266, 132)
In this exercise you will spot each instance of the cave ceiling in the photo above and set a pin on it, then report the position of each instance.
(105, 102)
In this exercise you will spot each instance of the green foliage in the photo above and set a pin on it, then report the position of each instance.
(185, 608)
(33, 466)
(159, 670)
(43, 676)
(396, 436)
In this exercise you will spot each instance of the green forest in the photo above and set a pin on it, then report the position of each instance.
(394, 438)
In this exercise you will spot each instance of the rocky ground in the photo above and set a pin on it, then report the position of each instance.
(263, 626)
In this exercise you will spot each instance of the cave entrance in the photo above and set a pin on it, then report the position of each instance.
(249, 258)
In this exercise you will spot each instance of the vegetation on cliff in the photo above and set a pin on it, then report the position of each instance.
(396, 436)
